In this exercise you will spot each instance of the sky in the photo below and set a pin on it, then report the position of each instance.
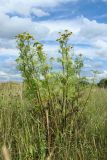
(87, 19)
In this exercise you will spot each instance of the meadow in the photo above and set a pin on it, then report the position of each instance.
(23, 135)
(52, 115)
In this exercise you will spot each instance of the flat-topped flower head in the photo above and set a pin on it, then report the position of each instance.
(24, 36)
(64, 36)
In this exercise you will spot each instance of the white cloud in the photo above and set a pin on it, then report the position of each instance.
(59, 25)
(51, 50)
(86, 52)
(100, 16)
(102, 75)
(7, 43)
(24, 7)
(3, 74)
(8, 52)
(9, 77)
(39, 13)
(84, 32)
(10, 62)
(101, 47)
(93, 30)
(10, 27)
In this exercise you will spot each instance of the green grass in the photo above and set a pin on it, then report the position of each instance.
(24, 133)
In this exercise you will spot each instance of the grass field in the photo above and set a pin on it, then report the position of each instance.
(25, 136)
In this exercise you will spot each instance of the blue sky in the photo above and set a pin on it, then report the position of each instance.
(87, 19)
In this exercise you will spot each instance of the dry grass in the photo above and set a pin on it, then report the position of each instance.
(5, 153)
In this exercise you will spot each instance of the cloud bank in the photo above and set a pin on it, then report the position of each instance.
(17, 16)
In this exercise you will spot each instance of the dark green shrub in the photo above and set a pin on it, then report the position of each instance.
(103, 83)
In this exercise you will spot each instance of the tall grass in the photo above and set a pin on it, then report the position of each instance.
(25, 135)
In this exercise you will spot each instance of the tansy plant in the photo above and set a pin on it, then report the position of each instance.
(56, 95)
